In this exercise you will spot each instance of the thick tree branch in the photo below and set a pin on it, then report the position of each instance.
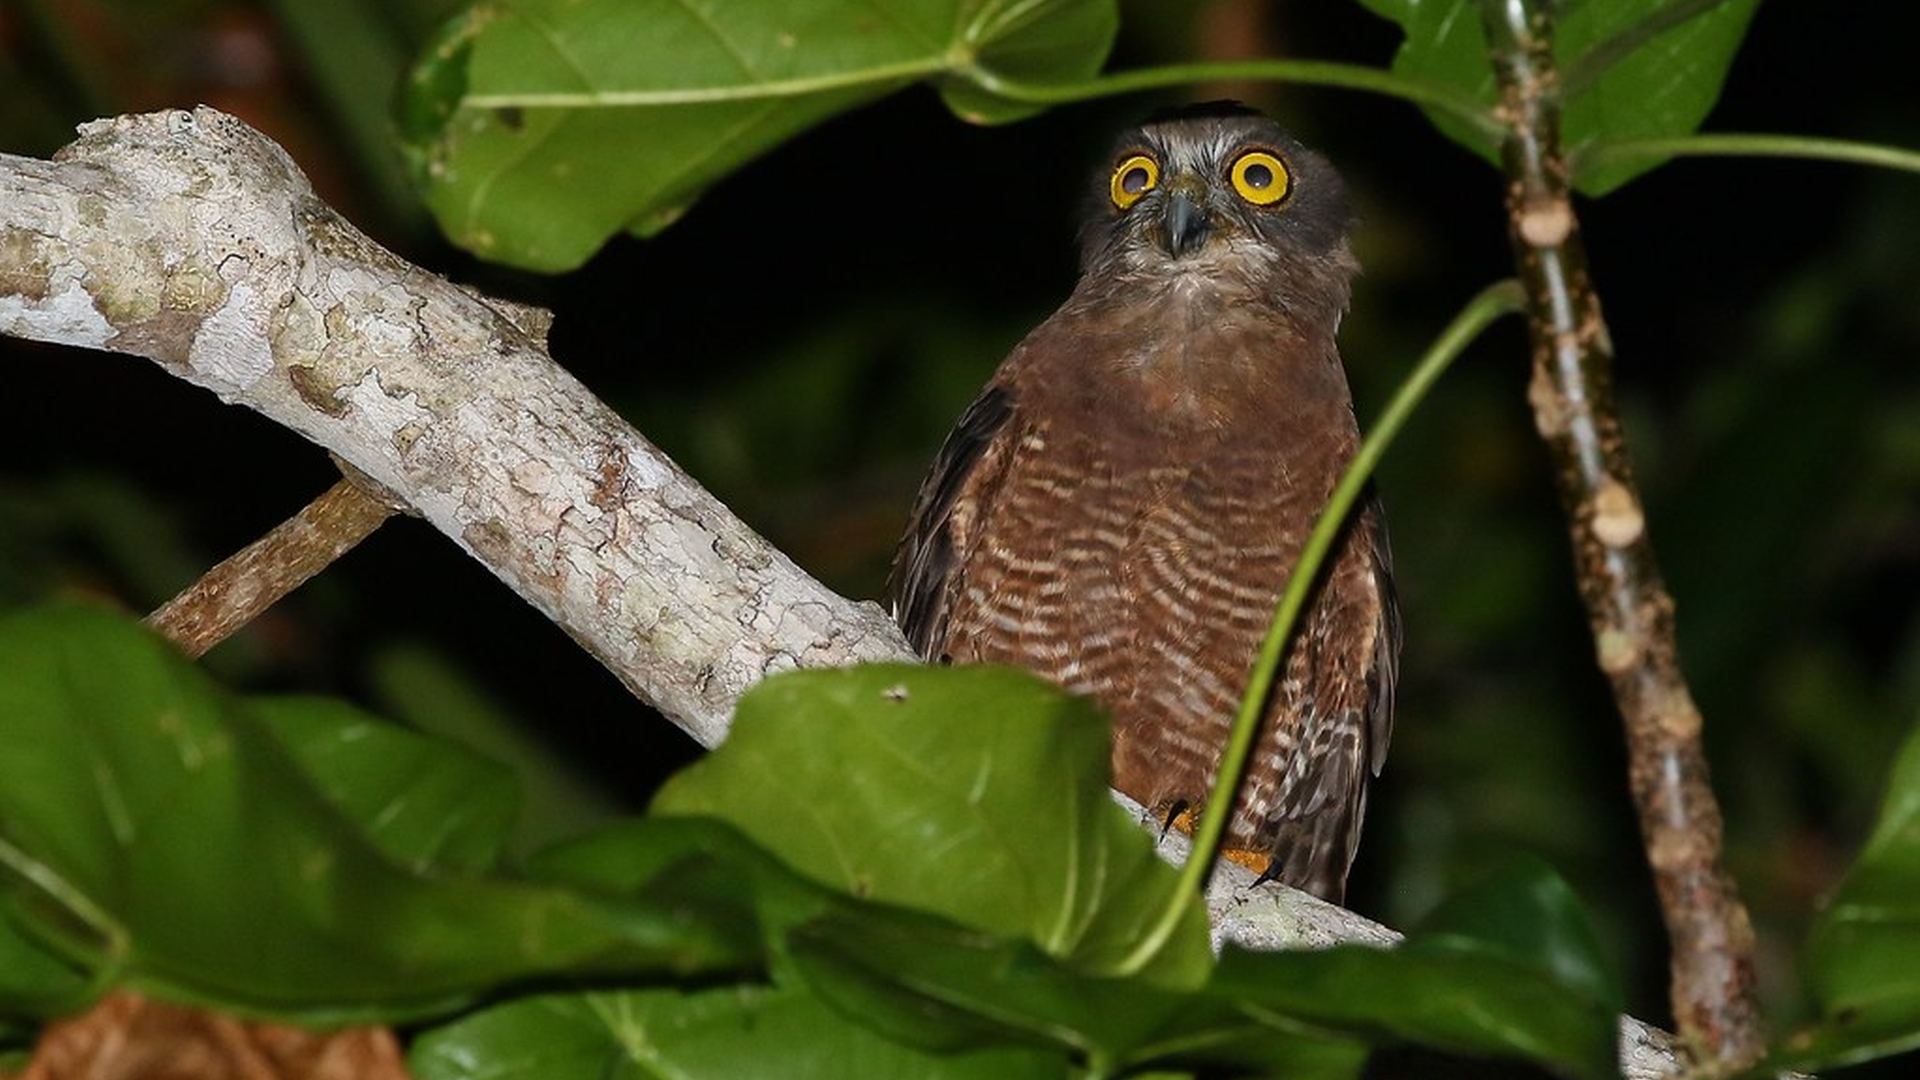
(190, 239)
(1627, 604)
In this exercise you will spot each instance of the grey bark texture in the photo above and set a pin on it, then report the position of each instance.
(190, 239)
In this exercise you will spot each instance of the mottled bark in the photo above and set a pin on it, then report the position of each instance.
(188, 238)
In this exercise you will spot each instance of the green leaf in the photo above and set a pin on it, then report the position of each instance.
(1524, 915)
(1860, 955)
(1509, 968)
(428, 805)
(1032, 43)
(421, 687)
(700, 863)
(34, 981)
(1637, 69)
(540, 128)
(1445, 45)
(933, 983)
(761, 1032)
(156, 830)
(1629, 69)
(975, 793)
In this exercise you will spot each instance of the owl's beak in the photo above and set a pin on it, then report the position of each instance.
(1187, 223)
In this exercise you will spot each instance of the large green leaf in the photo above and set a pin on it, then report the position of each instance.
(540, 128)
(1629, 69)
(427, 804)
(1861, 954)
(933, 983)
(158, 831)
(1509, 968)
(761, 1032)
(1506, 969)
(702, 863)
(35, 982)
(976, 793)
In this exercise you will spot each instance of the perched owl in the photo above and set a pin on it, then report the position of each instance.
(1121, 506)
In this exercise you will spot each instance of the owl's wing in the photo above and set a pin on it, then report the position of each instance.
(969, 464)
(1383, 672)
(1316, 818)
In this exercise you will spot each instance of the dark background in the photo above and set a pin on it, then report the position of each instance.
(802, 339)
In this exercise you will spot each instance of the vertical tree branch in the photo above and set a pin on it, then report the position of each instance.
(1628, 607)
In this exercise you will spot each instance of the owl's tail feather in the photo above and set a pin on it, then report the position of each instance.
(1314, 853)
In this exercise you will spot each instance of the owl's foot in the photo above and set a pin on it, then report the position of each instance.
(1181, 815)
(1260, 862)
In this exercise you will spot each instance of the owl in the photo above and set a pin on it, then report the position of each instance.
(1120, 508)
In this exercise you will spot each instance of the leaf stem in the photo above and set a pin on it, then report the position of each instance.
(1806, 147)
(107, 952)
(1444, 99)
(860, 79)
(1497, 300)
(1463, 107)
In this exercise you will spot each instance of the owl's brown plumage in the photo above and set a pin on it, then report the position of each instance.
(1121, 506)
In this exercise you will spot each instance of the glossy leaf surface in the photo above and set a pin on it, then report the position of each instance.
(1861, 954)
(748, 1031)
(541, 128)
(1629, 69)
(159, 831)
(975, 793)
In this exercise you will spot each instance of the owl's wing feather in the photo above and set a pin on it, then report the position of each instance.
(970, 461)
(1383, 673)
(1316, 820)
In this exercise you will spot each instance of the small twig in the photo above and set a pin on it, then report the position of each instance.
(1627, 604)
(232, 594)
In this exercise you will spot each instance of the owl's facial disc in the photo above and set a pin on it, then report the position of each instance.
(1212, 191)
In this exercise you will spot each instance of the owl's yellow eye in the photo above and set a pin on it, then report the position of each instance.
(1136, 175)
(1260, 177)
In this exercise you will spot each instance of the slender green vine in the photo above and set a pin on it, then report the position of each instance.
(1461, 106)
(1806, 147)
(110, 945)
(1492, 303)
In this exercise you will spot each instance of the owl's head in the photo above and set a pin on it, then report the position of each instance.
(1212, 184)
